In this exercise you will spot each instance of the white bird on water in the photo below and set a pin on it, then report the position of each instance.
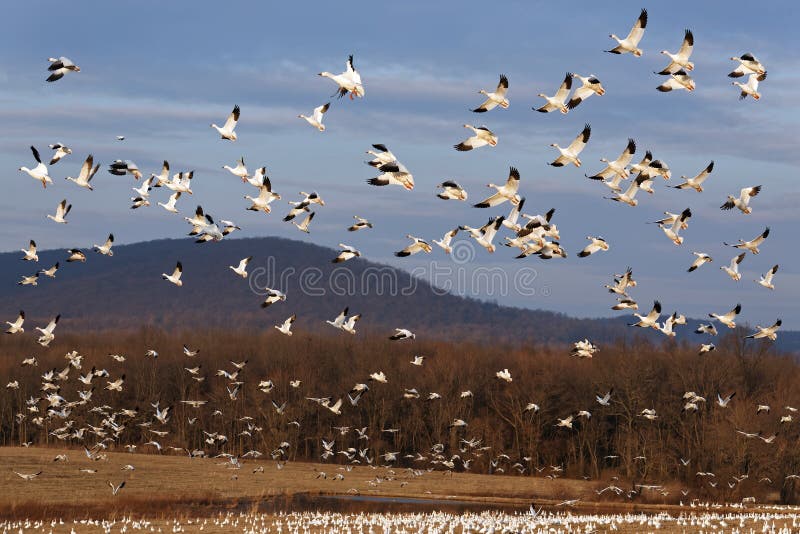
(88, 170)
(483, 136)
(766, 279)
(61, 212)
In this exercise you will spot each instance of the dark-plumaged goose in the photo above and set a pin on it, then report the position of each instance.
(315, 119)
(631, 43)
(559, 100)
(497, 98)
(680, 60)
(451, 191)
(678, 80)
(616, 170)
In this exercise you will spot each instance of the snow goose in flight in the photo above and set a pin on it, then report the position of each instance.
(394, 173)
(285, 328)
(559, 100)
(751, 87)
(175, 277)
(483, 136)
(170, 204)
(86, 174)
(651, 319)
(315, 119)
(59, 67)
(728, 319)
(696, 182)
(751, 245)
(709, 329)
(40, 171)
(61, 151)
(226, 132)
(382, 156)
(624, 303)
(616, 170)
(51, 272)
(143, 192)
(241, 269)
(485, 234)
(497, 98)
(30, 252)
(605, 400)
(628, 196)
(504, 375)
(570, 153)
(671, 231)
(229, 227)
(48, 331)
(61, 212)
(28, 476)
(701, 258)
(507, 191)
(401, 334)
(733, 269)
(76, 255)
(680, 60)
(264, 198)
(349, 326)
(596, 244)
(418, 245)
(273, 296)
(16, 326)
(349, 81)
(122, 167)
(748, 64)
(347, 253)
(339, 320)
(723, 402)
(743, 202)
(766, 279)
(240, 170)
(444, 244)
(769, 332)
(451, 191)
(631, 43)
(303, 226)
(105, 248)
(679, 80)
(590, 85)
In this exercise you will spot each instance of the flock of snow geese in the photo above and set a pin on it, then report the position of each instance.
(531, 235)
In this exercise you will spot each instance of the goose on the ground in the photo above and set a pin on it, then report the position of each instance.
(175, 277)
(750, 88)
(631, 43)
(485, 234)
(61, 212)
(733, 269)
(418, 360)
(59, 67)
(401, 334)
(616, 170)
(394, 173)
(105, 248)
(347, 253)
(728, 319)
(239, 170)
(483, 136)
(285, 328)
(678, 80)
(769, 332)
(340, 319)
(584, 349)
(138, 202)
(61, 150)
(349, 81)
(315, 119)
(16, 326)
(512, 221)
(596, 244)
(651, 319)
(382, 156)
(444, 243)
(417, 245)
(748, 64)
(30, 252)
(696, 183)
(751, 245)
(241, 269)
(360, 224)
(47, 332)
(115, 489)
(39, 172)
(590, 85)
(507, 191)
(570, 154)
(122, 167)
(742, 203)
(86, 174)
(766, 279)
(163, 177)
(303, 225)
(170, 204)
(671, 231)
(264, 198)
(76, 255)
(496, 98)
(226, 132)
(709, 329)
(700, 259)
(680, 60)
(273, 296)
(559, 100)
(451, 191)
(349, 327)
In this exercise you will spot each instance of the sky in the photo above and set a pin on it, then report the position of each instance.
(160, 72)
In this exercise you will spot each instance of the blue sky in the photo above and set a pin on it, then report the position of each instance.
(161, 72)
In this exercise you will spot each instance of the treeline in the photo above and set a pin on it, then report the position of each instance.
(616, 439)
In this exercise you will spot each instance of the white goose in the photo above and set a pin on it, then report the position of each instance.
(418, 245)
(590, 85)
(48, 332)
(696, 183)
(40, 171)
(59, 67)
(728, 319)
(769, 332)
(170, 204)
(30, 252)
(507, 191)
(382, 156)
(394, 173)
(628, 197)
(349, 81)
(680, 60)
(485, 234)
(559, 100)
(616, 170)
(16, 326)
(497, 98)
(61, 212)
(273, 296)
(742, 203)
(264, 198)
(570, 153)
(315, 119)
(444, 243)
(86, 174)
(701, 259)
(347, 253)
(451, 191)
(239, 170)
(748, 64)
(105, 248)
(671, 231)
(751, 87)
(631, 43)
(76, 255)
(226, 132)
(596, 244)
(483, 136)
(175, 277)
(733, 269)
(651, 319)
(62, 150)
(241, 269)
(286, 327)
(679, 80)
(766, 279)
(751, 245)
(303, 226)
(349, 327)
(360, 224)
